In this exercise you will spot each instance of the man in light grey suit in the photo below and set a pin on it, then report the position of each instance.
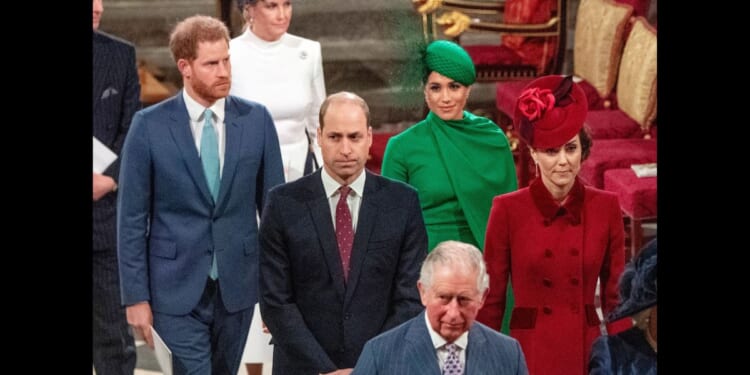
(445, 339)
(195, 168)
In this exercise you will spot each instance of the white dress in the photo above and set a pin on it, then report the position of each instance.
(287, 77)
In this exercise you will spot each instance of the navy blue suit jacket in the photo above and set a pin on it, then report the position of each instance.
(318, 322)
(116, 97)
(408, 350)
(168, 226)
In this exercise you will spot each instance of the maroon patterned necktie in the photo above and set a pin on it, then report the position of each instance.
(344, 231)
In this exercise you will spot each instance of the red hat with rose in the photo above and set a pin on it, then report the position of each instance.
(550, 111)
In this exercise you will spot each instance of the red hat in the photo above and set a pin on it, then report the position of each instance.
(550, 111)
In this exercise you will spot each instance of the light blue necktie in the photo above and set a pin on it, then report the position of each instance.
(210, 161)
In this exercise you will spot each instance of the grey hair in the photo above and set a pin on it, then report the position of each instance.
(455, 254)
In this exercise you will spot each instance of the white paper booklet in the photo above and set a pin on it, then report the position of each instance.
(644, 170)
(163, 354)
(103, 156)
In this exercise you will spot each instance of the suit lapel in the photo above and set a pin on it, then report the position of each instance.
(368, 214)
(422, 356)
(179, 127)
(233, 137)
(476, 351)
(321, 214)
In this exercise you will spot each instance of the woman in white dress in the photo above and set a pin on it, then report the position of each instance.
(284, 72)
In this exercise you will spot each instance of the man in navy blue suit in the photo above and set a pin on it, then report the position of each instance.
(116, 94)
(340, 251)
(195, 170)
(445, 339)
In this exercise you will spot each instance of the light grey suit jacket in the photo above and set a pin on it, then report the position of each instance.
(407, 349)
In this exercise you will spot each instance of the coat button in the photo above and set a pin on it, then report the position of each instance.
(574, 252)
(347, 316)
(548, 253)
(547, 310)
(574, 281)
(547, 282)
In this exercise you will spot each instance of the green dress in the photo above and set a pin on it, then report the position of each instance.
(457, 167)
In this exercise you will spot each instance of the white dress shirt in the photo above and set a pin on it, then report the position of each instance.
(195, 112)
(438, 342)
(354, 200)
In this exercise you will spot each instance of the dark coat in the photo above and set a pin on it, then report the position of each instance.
(116, 97)
(626, 353)
(320, 323)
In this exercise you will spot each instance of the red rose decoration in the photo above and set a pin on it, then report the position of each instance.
(533, 103)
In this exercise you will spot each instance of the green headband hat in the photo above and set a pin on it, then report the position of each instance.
(450, 60)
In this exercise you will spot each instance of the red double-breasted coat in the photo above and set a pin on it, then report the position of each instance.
(554, 255)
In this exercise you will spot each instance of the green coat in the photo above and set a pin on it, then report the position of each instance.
(457, 167)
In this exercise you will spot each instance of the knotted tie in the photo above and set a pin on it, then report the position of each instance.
(344, 231)
(453, 364)
(210, 161)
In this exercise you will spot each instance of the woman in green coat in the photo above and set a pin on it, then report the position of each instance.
(456, 160)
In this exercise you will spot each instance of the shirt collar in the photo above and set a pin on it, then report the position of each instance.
(550, 209)
(331, 186)
(195, 109)
(438, 341)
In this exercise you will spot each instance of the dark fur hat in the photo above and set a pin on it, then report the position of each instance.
(637, 284)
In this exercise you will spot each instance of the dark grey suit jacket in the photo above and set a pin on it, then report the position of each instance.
(116, 97)
(318, 323)
(408, 350)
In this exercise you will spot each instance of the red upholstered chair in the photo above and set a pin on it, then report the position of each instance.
(636, 90)
(531, 40)
(637, 198)
(600, 32)
(601, 29)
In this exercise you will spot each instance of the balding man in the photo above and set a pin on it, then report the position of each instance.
(340, 251)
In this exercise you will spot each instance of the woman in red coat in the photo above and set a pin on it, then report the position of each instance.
(554, 238)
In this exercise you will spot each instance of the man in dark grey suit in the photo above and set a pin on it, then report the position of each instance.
(116, 97)
(195, 169)
(445, 339)
(340, 251)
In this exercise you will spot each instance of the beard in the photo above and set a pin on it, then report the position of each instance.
(211, 93)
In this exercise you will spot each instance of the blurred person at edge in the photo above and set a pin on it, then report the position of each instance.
(116, 96)
(632, 352)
